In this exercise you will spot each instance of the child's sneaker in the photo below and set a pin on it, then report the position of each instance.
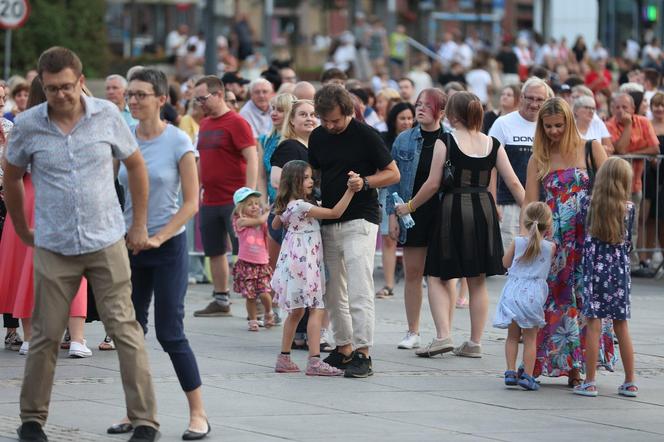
(316, 367)
(285, 365)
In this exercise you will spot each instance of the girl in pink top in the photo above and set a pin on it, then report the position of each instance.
(252, 273)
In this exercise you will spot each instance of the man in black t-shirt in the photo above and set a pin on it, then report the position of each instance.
(341, 145)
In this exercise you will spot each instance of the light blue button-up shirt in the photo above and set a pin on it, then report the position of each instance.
(76, 207)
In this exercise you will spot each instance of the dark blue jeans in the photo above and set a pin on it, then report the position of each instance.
(164, 272)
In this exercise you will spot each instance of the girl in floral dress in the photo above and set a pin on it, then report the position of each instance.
(299, 278)
(558, 164)
(606, 270)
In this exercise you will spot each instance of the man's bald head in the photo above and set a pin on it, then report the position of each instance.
(304, 90)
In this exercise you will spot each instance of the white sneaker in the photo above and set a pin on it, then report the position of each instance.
(24, 348)
(410, 341)
(78, 350)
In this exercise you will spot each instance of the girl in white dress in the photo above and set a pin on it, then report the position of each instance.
(521, 306)
(299, 278)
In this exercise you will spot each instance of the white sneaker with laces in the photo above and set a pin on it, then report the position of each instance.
(410, 341)
(24, 348)
(78, 350)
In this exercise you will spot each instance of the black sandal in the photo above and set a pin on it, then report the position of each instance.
(385, 292)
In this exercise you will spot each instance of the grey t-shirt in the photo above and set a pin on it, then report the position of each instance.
(162, 156)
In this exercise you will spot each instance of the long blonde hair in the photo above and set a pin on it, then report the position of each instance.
(542, 145)
(537, 219)
(283, 102)
(287, 129)
(611, 191)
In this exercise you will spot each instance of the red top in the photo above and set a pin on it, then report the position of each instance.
(596, 82)
(223, 168)
(643, 135)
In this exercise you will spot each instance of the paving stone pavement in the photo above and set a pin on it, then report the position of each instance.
(408, 398)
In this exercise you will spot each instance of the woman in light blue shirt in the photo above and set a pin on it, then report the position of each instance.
(162, 267)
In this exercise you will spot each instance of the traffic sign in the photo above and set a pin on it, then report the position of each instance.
(13, 13)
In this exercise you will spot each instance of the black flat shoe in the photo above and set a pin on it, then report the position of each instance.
(195, 435)
(121, 428)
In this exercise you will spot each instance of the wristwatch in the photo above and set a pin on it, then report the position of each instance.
(366, 183)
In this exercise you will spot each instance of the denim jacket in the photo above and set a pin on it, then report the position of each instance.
(406, 151)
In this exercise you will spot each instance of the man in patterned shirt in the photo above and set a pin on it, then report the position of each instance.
(70, 142)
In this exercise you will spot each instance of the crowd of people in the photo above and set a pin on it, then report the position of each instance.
(286, 186)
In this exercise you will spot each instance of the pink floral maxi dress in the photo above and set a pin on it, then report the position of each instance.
(561, 341)
(299, 279)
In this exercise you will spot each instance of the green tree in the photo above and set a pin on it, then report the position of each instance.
(75, 24)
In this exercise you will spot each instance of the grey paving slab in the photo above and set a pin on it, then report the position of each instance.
(408, 399)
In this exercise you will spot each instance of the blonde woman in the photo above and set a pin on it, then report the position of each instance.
(558, 164)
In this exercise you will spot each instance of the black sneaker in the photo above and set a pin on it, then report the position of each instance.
(360, 366)
(338, 360)
(143, 433)
(31, 431)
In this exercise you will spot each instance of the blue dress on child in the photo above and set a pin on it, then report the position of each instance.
(606, 275)
(526, 289)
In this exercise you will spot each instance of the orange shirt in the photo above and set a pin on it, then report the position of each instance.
(643, 135)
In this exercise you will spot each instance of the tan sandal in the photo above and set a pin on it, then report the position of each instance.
(107, 344)
(385, 292)
(253, 326)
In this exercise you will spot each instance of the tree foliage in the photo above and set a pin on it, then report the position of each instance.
(75, 24)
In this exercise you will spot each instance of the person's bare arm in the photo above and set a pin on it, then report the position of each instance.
(15, 201)
(189, 207)
(382, 178)
(508, 257)
(137, 173)
(250, 154)
(532, 183)
(509, 177)
(275, 176)
(608, 146)
(622, 142)
(244, 221)
(431, 185)
(599, 153)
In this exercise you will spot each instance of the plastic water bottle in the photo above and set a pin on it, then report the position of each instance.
(408, 220)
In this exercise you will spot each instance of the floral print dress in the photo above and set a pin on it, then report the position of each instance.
(561, 342)
(606, 275)
(299, 280)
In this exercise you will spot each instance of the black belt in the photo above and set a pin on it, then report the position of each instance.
(467, 190)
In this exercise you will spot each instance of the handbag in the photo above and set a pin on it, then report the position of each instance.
(447, 181)
(591, 167)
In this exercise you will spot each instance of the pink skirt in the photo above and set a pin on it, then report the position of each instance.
(16, 268)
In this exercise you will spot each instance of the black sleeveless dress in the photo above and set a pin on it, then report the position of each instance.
(466, 237)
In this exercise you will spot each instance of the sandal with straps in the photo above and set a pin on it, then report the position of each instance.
(385, 292)
(107, 344)
(588, 389)
(527, 382)
(253, 326)
(510, 378)
(628, 389)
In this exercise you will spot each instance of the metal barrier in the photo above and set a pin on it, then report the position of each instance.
(648, 234)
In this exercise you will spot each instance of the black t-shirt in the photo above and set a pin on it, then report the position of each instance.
(509, 60)
(359, 148)
(289, 150)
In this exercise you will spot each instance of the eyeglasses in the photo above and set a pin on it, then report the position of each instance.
(67, 88)
(589, 108)
(231, 102)
(140, 96)
(536, 100)
(203, 99)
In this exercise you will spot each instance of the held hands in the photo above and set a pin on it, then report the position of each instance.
(355, 182)
(137, 238)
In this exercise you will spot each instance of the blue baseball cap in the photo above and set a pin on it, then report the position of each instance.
(243, 193)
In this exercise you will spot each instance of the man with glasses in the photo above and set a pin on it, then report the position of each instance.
(116, 86)
(70, 143)
(228, 161)
(516, 131)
